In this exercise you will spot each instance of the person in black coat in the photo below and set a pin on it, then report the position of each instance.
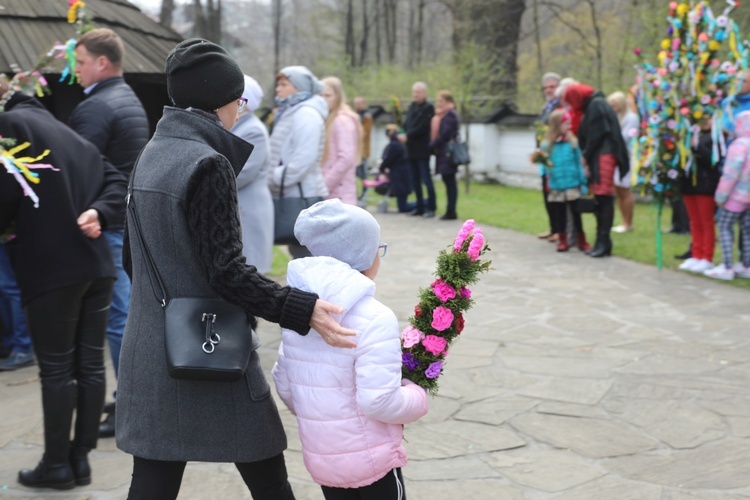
(65, 272)
(445, 125)
(113, 119)
(416, 136)
(698, 186)
(395, 166)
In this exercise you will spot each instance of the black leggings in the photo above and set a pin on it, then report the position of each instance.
(451, 191)
(389, 487)
(159, 480)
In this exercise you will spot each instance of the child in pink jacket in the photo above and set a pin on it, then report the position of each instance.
(350, 404)
(733, 197)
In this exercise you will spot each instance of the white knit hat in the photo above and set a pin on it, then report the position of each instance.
(345, 232)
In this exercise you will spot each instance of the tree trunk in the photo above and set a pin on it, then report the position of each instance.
(365, 33)
(391, 11)
(538, 40)
(597, 32)
(349, 39)
(165, 16)
(276, 34)
(378, 12)
(208, 21)
(411, 50)
(420, 32)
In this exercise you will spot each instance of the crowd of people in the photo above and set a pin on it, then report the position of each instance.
(141, 219)
(588, 146)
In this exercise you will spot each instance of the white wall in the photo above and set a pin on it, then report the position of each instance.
(498, 153)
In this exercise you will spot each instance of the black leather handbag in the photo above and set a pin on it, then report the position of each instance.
(585, 205)
(457, 152)
(286, 210)
(205, 338)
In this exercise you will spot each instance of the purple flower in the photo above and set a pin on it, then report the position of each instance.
(433, 371)
(409, 361)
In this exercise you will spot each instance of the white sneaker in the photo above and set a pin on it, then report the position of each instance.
(701, 266)
(741, 271)
(688, 264)
(720, 272)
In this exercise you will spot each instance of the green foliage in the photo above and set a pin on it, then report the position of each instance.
(456, 271)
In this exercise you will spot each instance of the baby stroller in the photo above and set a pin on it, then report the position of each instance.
(382, 186)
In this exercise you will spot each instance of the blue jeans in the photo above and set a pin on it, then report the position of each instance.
(16, 334)
(420, 174)
(118, 312)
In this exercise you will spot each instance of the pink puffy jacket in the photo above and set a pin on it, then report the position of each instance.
(350, 403)
(340, 164)
(733, 192)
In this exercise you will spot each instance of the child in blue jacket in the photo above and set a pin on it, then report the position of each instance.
(567, 179)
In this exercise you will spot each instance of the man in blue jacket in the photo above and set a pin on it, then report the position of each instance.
(113, 119)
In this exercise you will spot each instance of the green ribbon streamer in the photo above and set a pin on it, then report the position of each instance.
(659, 256)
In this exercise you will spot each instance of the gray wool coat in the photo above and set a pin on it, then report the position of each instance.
(158, 417)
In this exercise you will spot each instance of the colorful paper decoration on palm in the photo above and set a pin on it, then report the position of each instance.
(23, 168)
(438, 318)
(700, 63)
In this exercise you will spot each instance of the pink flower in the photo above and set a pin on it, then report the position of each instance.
(443, 290)
(463, 234)
(411, 337)
(477, 242)
(434, 344)
(465, 293)
(442, 318)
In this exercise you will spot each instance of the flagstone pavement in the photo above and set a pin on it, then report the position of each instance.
(575, 379)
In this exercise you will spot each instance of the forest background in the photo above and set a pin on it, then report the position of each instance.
(486, 52)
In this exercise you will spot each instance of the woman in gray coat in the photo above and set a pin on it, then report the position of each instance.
(184, 192)
(253, 194)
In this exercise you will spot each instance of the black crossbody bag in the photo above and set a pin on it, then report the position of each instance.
(204, 338)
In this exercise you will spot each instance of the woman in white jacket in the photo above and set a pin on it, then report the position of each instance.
(253, 195)
(350, 404)
(298, 138)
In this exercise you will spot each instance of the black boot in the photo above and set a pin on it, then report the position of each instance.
(58, 476)
(604, 220)
(79, 463)
(58, 401)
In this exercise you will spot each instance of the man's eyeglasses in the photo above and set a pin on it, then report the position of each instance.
(383, 249)
(549, 87)
(241, 103)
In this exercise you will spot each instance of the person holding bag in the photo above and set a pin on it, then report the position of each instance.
(297, 143)
(183, 239)
(443, 129)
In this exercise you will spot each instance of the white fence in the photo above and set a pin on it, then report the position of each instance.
(499, 153)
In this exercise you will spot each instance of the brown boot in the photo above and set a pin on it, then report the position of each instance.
(583, 245)
(562, 242)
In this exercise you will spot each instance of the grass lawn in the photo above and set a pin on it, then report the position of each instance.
(522, 210)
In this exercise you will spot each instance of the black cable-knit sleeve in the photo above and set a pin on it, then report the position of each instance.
(216, 235)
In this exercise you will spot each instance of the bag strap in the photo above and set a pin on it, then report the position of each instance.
(299, 185)
(152, 271)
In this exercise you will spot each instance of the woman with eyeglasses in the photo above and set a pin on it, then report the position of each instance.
(352, 405)
(184, 193)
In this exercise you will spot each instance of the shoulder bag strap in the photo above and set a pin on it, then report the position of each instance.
(299, 185)
(153, 273)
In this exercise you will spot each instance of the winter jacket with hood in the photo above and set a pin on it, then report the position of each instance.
(733, 192)
(297, 144)
(349, 403)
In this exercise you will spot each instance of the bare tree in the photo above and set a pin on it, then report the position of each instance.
(420, 31)
(208, 20)
(365, 33)
(391, 12)
(276, 14)
(165, 15)
(349, 48)
(378, 11)
(537, 39)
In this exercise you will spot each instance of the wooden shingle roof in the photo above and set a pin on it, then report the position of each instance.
(29, 28)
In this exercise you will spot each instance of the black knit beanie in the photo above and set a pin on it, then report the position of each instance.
(201, 74)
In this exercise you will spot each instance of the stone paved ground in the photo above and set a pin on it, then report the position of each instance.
(575, 379)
